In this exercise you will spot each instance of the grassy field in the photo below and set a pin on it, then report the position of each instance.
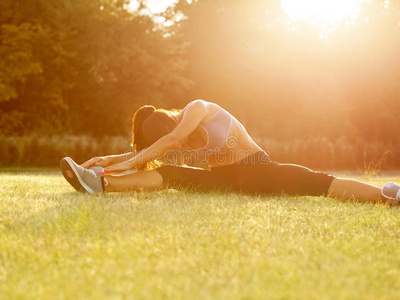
(59, 244)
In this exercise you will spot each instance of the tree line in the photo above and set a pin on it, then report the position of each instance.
(82, 67)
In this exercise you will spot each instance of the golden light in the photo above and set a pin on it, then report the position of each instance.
(323, 14)
(155, 6)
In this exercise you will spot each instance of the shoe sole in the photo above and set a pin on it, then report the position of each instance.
(71, 175)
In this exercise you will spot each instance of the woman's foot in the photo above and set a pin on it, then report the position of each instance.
(83, 180)
(391, 190)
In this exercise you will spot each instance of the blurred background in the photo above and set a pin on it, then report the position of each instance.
(314, 82)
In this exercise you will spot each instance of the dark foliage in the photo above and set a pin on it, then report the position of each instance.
(83, 67)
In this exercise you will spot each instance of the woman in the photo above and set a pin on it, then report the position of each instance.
(205, 134)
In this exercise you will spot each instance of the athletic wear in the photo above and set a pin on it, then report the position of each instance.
(391, 190)
(83, 180)
(255, 174)
(217, 128)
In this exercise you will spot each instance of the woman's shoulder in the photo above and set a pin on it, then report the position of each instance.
(202, 105)
(197, 102)
(199, 107)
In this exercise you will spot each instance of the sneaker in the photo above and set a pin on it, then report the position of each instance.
(391, 190)
(83, 180)
(98, 170)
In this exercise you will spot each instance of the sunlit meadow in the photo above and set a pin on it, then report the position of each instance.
(315, 80)
(56, 243)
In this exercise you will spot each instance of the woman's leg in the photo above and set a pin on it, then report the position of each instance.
(350, 188)
(172, 176)
(339, 187)
(298, 180)
(135, 181)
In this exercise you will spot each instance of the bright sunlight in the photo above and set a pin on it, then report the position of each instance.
(328, 10)
(323, 14)
(155, 6)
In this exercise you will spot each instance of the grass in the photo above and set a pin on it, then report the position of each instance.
(59, 244)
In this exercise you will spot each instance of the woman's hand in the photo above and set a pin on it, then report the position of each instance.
(102, 161)
(120, 167)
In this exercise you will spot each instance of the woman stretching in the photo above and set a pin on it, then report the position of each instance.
(203, 134)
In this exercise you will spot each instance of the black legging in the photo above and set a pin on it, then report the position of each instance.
(255, 174)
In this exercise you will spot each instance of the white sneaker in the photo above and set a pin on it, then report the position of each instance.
(83, 180)
(391, 190)
(98, 170)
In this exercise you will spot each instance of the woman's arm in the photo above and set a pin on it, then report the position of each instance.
(104, 161)
(192, 117)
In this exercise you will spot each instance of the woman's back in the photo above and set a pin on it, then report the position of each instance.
(226, 141)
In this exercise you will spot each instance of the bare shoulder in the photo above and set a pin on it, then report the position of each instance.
(199, 109)
(197, 104)
(202, 106)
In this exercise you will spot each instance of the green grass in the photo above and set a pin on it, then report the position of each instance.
(59, 244)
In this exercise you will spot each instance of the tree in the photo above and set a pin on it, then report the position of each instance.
(84, 66)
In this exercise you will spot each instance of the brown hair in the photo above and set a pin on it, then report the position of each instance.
(148, 125)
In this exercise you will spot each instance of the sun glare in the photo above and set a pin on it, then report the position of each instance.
(155, 6)
(324, 14)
